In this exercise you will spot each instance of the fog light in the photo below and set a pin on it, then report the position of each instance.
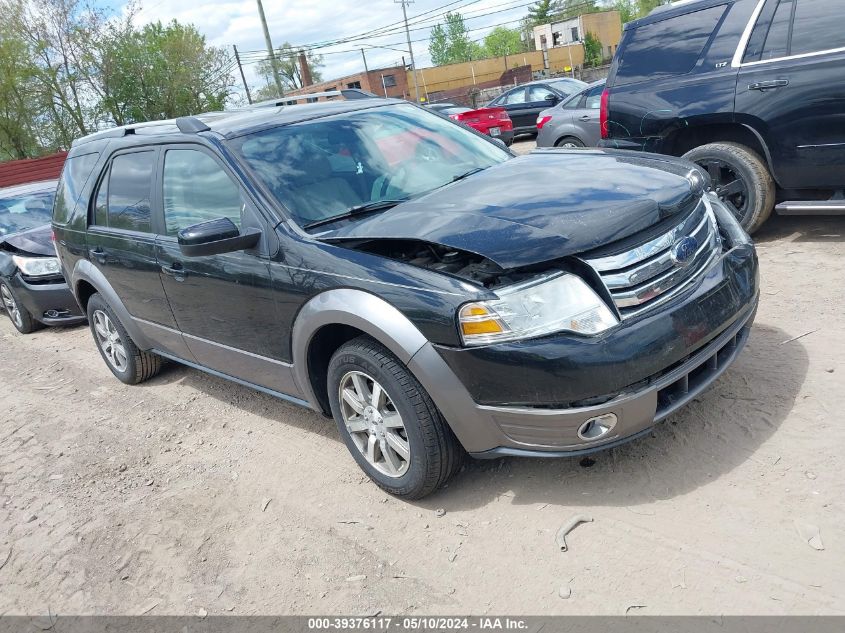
(597, 427)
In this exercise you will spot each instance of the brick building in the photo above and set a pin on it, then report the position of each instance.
(385, 82)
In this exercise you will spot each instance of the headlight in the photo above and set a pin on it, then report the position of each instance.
(37, 266)
(554, 303)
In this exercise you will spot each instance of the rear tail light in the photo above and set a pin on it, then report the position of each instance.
(542, 120)
(603, 113)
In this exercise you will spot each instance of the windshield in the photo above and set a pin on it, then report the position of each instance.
(568, 86)
(19, 212)
(324, 168)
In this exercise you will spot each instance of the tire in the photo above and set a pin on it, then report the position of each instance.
(133, 365)
(434, 453)
(753, 205)
(569, 141)
(15, 310)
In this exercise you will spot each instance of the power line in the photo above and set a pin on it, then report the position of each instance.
(328, 44)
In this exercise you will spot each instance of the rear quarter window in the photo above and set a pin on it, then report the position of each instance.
(666, 48)
(75, 174)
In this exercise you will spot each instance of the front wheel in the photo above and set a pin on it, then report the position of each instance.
(740, 179)
(388, 421)
(18, 314)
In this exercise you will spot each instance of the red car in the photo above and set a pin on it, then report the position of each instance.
(493, 122)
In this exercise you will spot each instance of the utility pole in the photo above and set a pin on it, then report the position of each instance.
(410, 48)
(274, 63)
(241, 69)
(366, 70)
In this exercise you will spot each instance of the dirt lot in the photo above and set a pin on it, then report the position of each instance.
(151, 499)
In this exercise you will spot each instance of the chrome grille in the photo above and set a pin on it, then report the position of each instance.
(647, 275)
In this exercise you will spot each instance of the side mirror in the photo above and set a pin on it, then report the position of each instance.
(215, 237)
(552, 98)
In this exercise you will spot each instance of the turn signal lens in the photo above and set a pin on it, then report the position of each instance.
(477, 321)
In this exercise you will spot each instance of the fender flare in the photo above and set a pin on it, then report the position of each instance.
(767, 154)
(84, 270)
(356, 308)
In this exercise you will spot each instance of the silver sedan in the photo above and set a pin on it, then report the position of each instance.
(573, 122)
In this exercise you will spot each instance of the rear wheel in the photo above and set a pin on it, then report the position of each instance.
(569, 142)
(128, 363)
(740, 179)
(18, 314)
(388, 421)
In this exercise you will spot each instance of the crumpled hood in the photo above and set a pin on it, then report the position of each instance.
(37, 241)
(541, 206)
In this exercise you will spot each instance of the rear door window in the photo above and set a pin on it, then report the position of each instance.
(666, 48)
(130, 182)
(794, 27)
(593, 98)
(515, 97)
(818, 26)
(770, 37)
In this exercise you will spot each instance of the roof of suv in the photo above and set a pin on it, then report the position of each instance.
(673, 9)
(236, 122)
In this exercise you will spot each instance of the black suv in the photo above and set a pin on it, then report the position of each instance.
(410, 277)
(752, 90)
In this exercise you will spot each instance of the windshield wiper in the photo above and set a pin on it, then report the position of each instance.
(472, 171)
(358, 209)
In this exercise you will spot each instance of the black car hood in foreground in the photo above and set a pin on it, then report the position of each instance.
(541, 206)
(37, 241)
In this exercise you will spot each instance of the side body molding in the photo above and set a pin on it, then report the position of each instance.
(356, 308)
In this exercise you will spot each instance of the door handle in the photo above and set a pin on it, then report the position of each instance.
(176, 271)
(100, 255)
(586, 117)
(768, 85)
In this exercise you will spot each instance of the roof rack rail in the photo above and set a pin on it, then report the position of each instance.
(191, 125)
(346, 94)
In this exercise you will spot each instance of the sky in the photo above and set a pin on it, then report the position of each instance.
(310, 22)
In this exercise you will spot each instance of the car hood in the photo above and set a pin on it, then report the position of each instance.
(37, 241)
(541, 206)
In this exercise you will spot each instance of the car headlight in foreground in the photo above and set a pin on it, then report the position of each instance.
(553, 303)
(37, 266)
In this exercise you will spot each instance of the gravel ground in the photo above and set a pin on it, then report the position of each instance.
(190, 494)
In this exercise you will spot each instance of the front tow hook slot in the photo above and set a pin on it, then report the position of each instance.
(597, 427)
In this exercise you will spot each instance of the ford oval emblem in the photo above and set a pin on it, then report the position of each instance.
(683, 250)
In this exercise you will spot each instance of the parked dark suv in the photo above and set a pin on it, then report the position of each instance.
(752, 90)
(410, 277)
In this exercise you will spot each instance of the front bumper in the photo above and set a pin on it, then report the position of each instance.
(50, 303)
(641, 371)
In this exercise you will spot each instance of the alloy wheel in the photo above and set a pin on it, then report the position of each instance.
(374, 424)
(728, 185)
(109, 341)
(11, 306)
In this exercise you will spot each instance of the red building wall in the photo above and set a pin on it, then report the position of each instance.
(18, 172)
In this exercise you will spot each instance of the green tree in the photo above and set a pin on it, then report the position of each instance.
(542, 12)
(646, 6)
(449, 43)
(503, 41)
(592, 50)
(287, 58)
(18, 90)
(160, 72)
(628, 9)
